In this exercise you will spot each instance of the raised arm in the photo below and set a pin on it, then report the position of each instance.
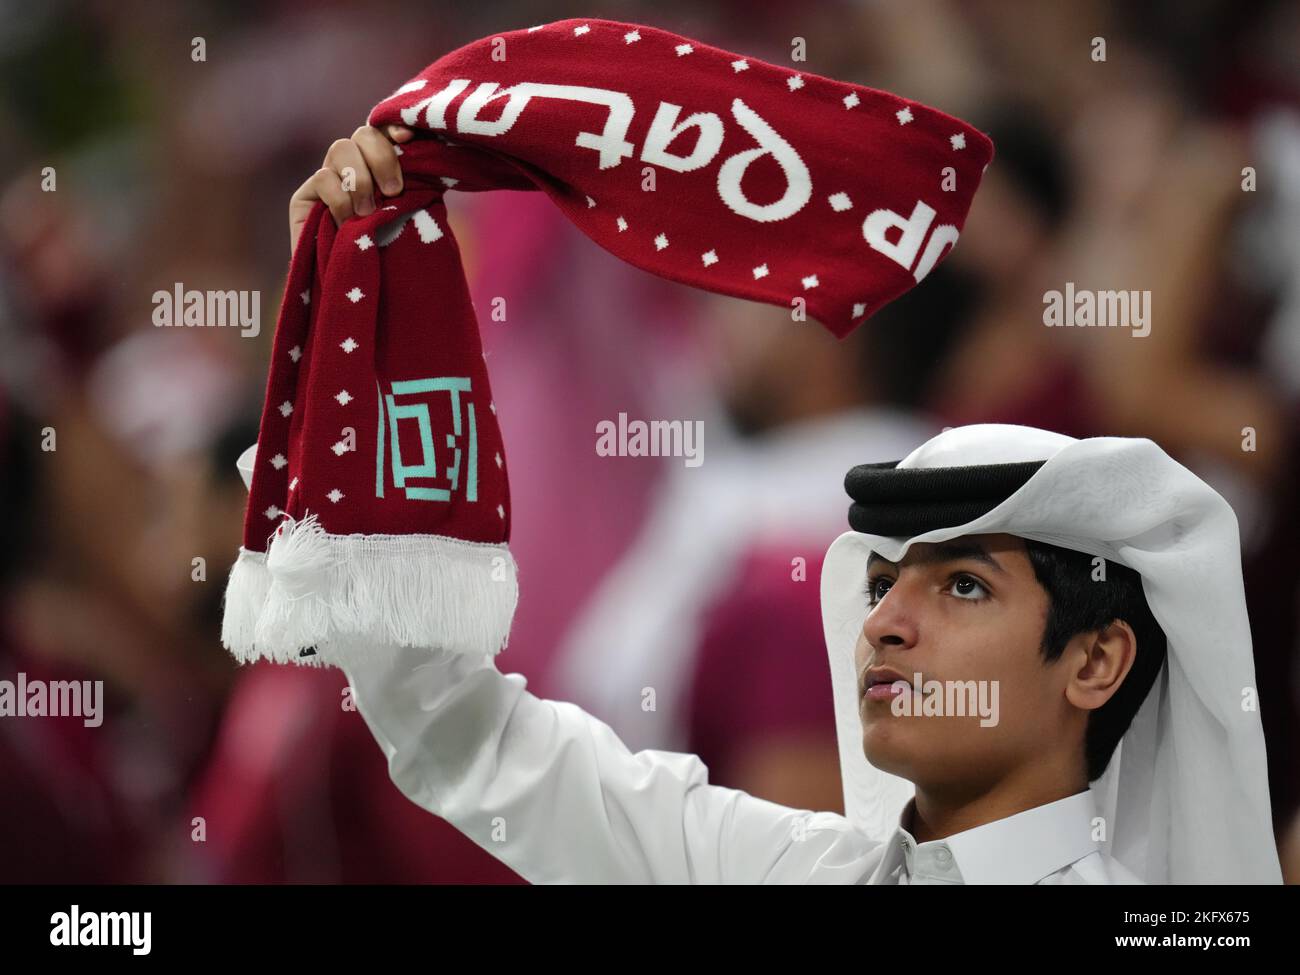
(555, 794)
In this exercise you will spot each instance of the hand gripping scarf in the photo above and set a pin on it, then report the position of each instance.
(379, 507)
(1185, 797)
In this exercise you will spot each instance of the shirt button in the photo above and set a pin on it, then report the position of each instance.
(942, 855)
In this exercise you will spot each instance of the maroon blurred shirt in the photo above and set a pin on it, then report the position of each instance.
(298, 791)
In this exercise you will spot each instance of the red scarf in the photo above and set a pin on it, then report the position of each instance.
(380, 506)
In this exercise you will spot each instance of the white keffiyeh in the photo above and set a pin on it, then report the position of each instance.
(1185, 797)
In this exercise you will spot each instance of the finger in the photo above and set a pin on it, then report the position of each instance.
(323, 185)
(300, 205)
(399, 133)
(344, 157)
(381, 159)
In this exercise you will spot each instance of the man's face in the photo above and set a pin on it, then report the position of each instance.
(966, 610)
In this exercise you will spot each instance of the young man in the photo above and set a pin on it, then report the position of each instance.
(979, 682)
(961, 607)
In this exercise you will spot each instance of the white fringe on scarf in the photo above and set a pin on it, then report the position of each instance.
(314, 590)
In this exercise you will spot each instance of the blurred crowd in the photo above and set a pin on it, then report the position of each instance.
(1173, 165)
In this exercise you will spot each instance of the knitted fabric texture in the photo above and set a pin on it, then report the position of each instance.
(380, 505)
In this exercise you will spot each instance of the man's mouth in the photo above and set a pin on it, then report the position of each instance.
(884, 684)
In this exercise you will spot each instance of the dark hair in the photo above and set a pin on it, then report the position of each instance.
(1078, 604)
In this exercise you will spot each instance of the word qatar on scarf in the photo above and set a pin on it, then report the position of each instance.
(612, 147)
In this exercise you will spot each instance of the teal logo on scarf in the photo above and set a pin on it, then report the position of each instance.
(425, 480)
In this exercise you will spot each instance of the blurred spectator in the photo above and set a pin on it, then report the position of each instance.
(1123, 173)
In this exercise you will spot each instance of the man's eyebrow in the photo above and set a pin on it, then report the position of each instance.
(944, 552)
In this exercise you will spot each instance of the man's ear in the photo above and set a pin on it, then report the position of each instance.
(1103, 659)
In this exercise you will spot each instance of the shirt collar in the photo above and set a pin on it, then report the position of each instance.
(1019, 849)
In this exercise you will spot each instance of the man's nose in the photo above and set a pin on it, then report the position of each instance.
(892, 623)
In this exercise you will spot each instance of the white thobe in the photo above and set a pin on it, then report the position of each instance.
(552, 792)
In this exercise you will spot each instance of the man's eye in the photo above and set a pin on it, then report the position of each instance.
(969, 588)
(876, 589)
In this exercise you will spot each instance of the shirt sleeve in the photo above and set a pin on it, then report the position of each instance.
(555, 794)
